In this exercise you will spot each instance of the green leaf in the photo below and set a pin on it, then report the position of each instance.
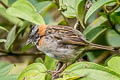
(49, 19)
(117, 27)
(9, 77)
(100, 20)
(5, 68)
(35, 71)
(91, 56)
(10, 18)
(90, 71)
(10, 2)
(94, 33)
(50, 64)
(81, 11)
(39, 60)
(10, 38)
(69, 7)
(22, 28)
(113, 38)
(94, 7)
(23, 9)
(34, 2)
(4, 29)
(114, 64)
(26, 47)
(2, 40)
(70, 78)
(115, 17)
(43, 7)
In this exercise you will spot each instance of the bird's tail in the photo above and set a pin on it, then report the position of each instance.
(101, 47)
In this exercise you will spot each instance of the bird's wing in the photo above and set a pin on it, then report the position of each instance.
(68, 35)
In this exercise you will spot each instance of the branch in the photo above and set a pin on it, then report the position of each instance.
(19, 53)
(1, 2)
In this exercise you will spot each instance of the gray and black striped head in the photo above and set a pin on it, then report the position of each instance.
(33, 35)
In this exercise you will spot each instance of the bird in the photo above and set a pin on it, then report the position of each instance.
(60, 42)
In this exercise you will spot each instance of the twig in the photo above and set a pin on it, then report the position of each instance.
(101, 57)
(89, 4)
(4, 55)
(1, 2)
(76, 24)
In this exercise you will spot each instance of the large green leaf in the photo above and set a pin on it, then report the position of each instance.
(10, 38)
(113, 38)
(89, 71)
(43, 7)
(5, 68)
(35, 71)
(114, 64)
(10, 18)
(94, 7)
(23, 9)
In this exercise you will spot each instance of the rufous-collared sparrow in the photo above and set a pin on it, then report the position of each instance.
(60, 42)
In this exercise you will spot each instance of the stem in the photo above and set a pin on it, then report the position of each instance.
(108, 15)
(102, 57)
(1, 2)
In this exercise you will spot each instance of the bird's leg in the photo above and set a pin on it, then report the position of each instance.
(55, 73)
(59, 65)
(59, 68)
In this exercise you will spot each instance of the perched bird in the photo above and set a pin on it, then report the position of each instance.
(60, 42)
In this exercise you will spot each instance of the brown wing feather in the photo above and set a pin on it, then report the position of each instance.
(67, 35)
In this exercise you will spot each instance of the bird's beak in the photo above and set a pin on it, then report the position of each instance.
(29, 41)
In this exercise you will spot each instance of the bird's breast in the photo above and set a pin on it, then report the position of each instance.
(56, 50)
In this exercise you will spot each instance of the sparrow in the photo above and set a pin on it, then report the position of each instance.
(60, 42)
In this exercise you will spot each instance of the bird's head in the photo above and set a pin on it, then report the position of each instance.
(36, 33)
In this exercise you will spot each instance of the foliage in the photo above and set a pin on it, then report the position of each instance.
(5, 68)
(99, 22)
